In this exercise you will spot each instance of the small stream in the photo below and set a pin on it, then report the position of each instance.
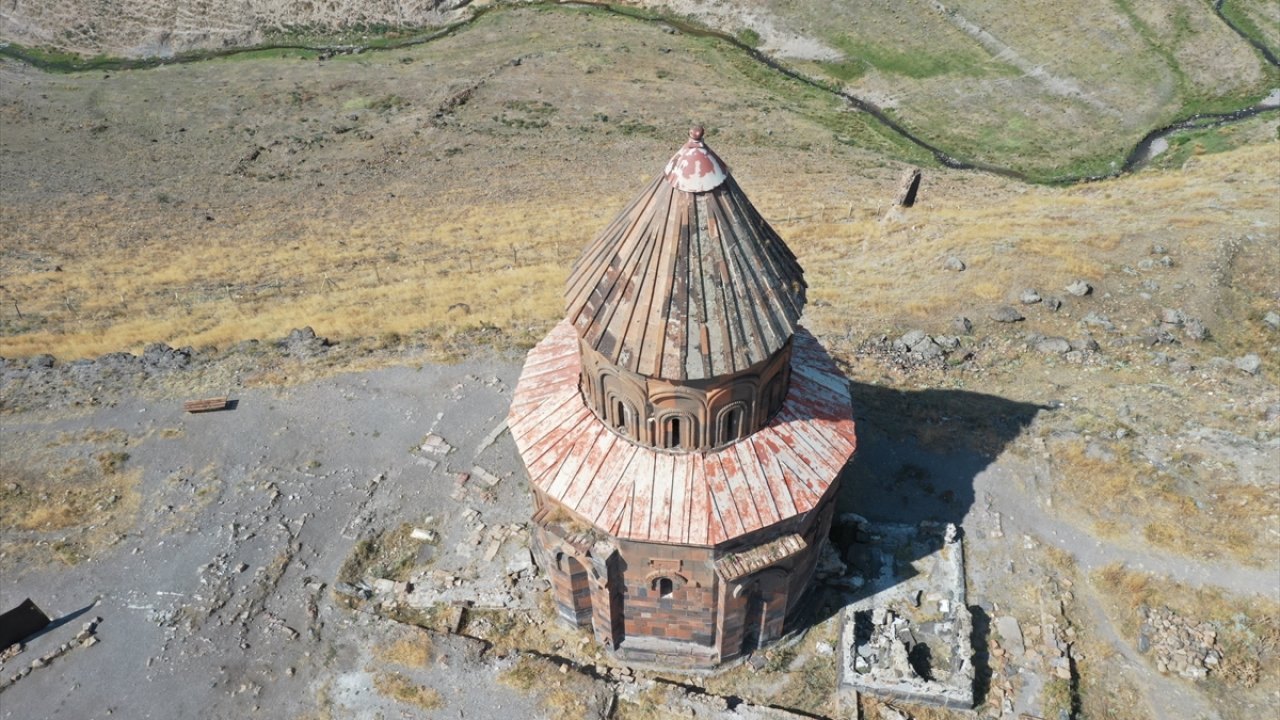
(1257, 44)
(1149, 147)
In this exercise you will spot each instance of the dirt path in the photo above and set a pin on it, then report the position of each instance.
(1022, 513)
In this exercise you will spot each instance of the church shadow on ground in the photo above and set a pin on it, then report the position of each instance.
(919, 452)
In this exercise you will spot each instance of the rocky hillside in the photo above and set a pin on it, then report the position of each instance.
(163, 28)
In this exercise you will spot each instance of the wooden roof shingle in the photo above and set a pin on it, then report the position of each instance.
(689, 282)
(690, 498)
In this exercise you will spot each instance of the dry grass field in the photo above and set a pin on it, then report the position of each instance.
(1249, 639)
(206, 204)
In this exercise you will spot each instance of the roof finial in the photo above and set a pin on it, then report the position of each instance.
(696, 132)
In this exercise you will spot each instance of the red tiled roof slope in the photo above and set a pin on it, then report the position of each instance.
(696, 498)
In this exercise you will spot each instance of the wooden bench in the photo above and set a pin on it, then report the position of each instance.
(205, 405)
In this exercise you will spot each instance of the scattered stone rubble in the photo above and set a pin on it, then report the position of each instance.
(909, 637)
(1006, 314)
(1179, 646)
(916, 348)
(87, 637)
(1079, 288)
(1045, 647)
(680, 702)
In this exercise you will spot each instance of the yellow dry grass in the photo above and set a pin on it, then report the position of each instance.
(1248, 626)
(415, 652)
(69, 495)
(442, 269)
(559, 694)
(1121, 497)
(396, 686)
(458, 265)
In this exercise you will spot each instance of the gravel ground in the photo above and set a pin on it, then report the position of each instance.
(216, 602)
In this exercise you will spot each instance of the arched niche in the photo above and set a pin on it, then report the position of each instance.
(684, 416)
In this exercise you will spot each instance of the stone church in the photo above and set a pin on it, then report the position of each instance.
(682, 432)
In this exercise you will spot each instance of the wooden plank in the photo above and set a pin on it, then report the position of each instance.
(585, 274)
(615, 495)
(580, 445)
(726, 510)
(679, 322)
(594, 465)
(772, 470)
(680, 496)
(528, 429)
(205, 405)
(796, 473)
(641, 475)
(664, 470)
(657, 302)
(608, 295)
(701, 511)
(743, 499)
(551, 363)
(549, 449)
(742, 301)
(621, 299)
(754, 477)
(812, 434)
(777, 318)
(827, 383)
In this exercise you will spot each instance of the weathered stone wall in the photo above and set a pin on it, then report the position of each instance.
(687, 613)
(711, 413)
(667, 604)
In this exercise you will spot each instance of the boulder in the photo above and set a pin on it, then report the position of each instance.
(1006, 314)
(1250, 363)
(1093, 319)
(1194, 329)
(1053, 345)
(1079, 288)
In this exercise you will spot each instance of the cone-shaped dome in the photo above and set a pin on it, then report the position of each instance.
(688, 282)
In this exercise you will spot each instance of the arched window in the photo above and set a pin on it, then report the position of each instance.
(621, 416)
(665, 587)
(729, 424)
(620, 413)
(679, 432)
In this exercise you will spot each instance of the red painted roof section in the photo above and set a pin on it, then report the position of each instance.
(640, 493)
(694, 168)
(689, 282)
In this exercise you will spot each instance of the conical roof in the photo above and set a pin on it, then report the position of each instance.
(688, 282)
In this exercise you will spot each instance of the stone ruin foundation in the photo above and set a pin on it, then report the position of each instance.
(909, 636)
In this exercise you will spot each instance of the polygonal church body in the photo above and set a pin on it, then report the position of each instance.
(683, 433)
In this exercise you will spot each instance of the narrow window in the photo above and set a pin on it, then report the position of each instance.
(730, 424)
(673, 433)
(665, 586)
(619, 415)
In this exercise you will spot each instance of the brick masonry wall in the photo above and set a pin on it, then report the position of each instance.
(688, 613)
(620, 596)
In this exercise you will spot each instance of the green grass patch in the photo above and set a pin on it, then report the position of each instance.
(861, 55)
(1240, 17)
